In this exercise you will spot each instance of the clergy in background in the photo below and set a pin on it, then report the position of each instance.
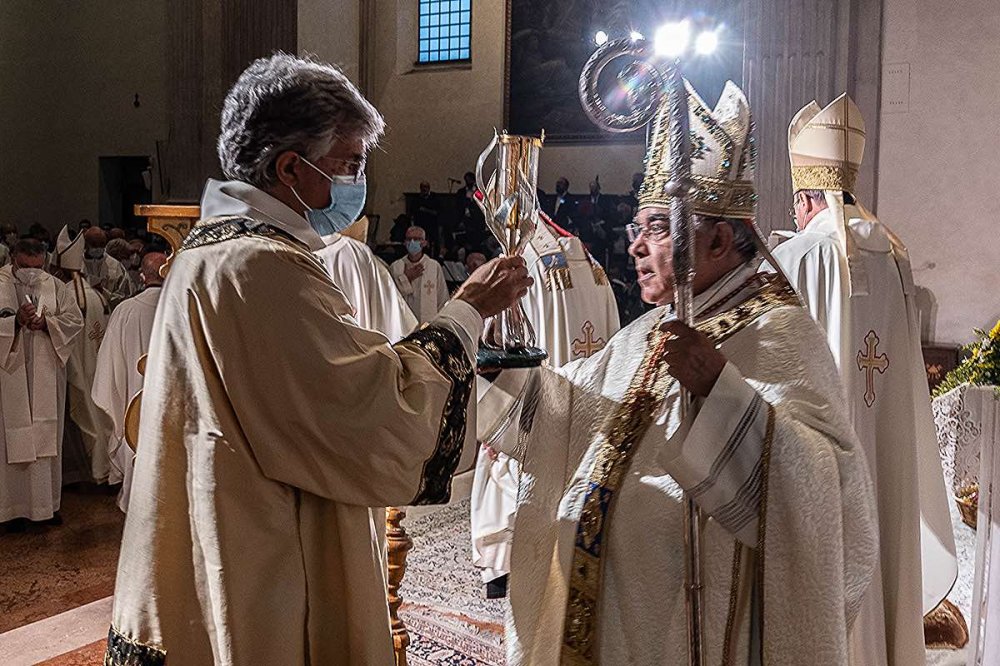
(366, 282)
(768, 453)
(117, 378)
(87, 441)
(39, 324)
(573, 312)
(854, 274)
(104, 273)
(420, 279)
(271, 421)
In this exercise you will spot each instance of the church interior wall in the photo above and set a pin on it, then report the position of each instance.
(68, 79)
(440, 119)
(938, 155)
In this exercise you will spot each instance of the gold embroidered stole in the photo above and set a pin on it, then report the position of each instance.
(623, 429)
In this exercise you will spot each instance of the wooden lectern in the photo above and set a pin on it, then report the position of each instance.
(174, 223)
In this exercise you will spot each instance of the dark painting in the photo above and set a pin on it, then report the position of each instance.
(550, 40)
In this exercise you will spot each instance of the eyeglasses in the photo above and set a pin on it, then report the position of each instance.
(654, 231)
(351, 168)
(791, 209)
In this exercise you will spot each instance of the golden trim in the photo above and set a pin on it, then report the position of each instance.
(841, 178)
(600, 277)
(558, 278)
(762, 524)
(734, 593)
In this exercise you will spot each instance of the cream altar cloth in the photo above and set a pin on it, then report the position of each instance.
(968, 427)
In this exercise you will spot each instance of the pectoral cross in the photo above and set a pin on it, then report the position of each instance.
(869, 363)
(588, 346)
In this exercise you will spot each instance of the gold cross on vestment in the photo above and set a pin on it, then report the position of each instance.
(588, 345)
(869, 363)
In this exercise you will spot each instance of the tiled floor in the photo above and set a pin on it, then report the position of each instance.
(50, 569)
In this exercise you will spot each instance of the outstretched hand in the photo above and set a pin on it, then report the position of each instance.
(692, 358)
(496, 285)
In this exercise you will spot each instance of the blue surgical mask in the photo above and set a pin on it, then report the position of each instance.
(347, 200)
(413, 246)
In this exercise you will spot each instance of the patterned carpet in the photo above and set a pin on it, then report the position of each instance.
(451, 622)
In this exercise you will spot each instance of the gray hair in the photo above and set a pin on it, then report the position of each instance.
(284, 103)
(744, 237)
(819, 196)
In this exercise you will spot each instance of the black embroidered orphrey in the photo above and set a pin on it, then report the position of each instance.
(123, 651)
(445, 350)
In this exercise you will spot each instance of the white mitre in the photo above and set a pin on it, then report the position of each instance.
(825, 146)
(69, 253)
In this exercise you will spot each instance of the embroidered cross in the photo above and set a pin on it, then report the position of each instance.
(96, 333)
(429, 287)
(588, 346)
(869, 364)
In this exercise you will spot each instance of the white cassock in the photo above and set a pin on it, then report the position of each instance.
(428, 293)
(264, 439)
(368, 286)
(33, 396)
(573, 311)
(94, 426)
(871, 323)
(109, 277)
(117, 378)
(789, 540)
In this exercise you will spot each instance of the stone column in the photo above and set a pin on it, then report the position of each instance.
(209, 42)
(797, 51)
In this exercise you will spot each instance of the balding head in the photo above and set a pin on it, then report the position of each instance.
(95, 237)
(116, 233)
(149, 271)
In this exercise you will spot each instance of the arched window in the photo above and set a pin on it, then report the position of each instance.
(445, 31)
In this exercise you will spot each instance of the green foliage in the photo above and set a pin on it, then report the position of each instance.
(981, 366)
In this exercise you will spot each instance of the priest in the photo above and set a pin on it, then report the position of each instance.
(117, 378)
(39, 325)
(854, 274)
(89, 437)
(572, 309)
(420, 279)
(104, 273)
(366, 282)
(789, 541)
(271, 421)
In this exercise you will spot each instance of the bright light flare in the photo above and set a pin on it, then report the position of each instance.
(706, 43)
(601, 38)
(672, 39)
(636, 35)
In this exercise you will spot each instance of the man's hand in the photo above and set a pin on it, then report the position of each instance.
(692, 358)
(496, 285)
(413, 270)
(38, 324)
(25, 314)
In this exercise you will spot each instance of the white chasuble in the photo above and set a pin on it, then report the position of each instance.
(271, 422)
(117, 378)
(597, 568)
(32, 395)
(864, 301)
(368, 286)
(94, 425)
(425, 295)
(572, 309)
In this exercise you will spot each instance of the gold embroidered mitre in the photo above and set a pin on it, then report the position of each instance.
(722, 156)
(825, 146)
(69, 253)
